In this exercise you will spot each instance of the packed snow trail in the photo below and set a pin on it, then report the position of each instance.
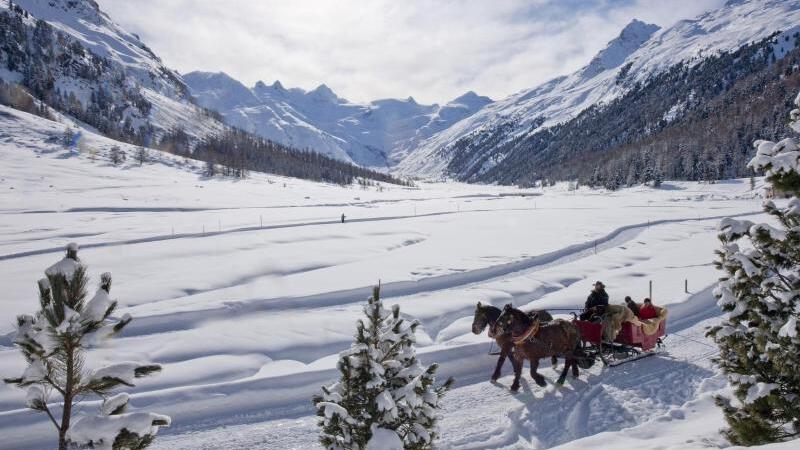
(185, 320)
(167, 237)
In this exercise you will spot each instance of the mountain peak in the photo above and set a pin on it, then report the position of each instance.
(324, 92)
(636, 28)
(629, 40)
(208, 79)
(470, 98)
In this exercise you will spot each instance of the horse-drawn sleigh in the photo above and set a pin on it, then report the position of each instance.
(580, 341)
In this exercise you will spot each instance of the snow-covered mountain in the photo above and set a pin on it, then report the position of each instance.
(72, 55)
(378, 133)
(637, 54)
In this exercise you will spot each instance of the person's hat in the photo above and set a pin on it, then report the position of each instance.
(600, 283)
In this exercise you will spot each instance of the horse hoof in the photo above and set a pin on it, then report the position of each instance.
(560, 382)
(514, 389)
(494, 379)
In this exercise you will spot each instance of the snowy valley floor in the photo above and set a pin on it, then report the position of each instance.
(245, 291)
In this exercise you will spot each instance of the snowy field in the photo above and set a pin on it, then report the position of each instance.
(245, 291)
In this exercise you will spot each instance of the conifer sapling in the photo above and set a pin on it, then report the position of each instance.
(385, 396)
(54, 342)
(759, 338)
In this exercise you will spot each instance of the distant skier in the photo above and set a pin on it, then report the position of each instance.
(342, 217)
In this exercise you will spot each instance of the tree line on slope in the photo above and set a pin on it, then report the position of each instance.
(236, 152)
(695, 121)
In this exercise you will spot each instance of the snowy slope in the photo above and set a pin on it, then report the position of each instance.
(640, 51)
(246, 290)
(379, 133)
(128, 67)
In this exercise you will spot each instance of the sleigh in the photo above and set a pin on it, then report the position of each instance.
(630, 344)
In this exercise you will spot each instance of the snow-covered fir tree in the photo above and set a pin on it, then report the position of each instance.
(54, 342)
(759, 340)
(385, 398)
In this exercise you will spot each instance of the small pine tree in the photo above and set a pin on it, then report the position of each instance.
(658, 178)
(68, 138)
(211, 169)
(383, 389)
(759, 340)
(116, 155)
(54, 342)
(142, 156)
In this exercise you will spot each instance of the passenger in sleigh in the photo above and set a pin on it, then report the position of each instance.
(596, 303)
(647, 311)
(632, 305)
(651, 316)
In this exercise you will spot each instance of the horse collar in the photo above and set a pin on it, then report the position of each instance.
(528, 334)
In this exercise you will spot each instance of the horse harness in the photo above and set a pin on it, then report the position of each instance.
(528, 335)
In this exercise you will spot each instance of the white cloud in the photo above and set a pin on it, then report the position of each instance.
(363, 50)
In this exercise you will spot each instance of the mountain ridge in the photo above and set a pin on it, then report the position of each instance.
(562, 98)
(378, 133)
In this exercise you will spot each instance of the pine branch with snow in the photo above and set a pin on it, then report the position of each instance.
(54, 342)
(385, 396)
(758, 340)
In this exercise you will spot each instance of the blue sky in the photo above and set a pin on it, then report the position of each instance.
(369, 49)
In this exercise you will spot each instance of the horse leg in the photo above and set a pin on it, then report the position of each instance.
(517, 362)
(576, 352)
(505, 350)
(569, 361)
(534, 374)
(554, 361)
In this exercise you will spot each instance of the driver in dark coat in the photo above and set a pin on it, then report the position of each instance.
(598, 297)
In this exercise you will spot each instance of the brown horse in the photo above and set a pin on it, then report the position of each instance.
(486, 316)
(534, 340)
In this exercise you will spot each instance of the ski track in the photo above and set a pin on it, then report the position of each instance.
(167, 237)
(184, 320)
